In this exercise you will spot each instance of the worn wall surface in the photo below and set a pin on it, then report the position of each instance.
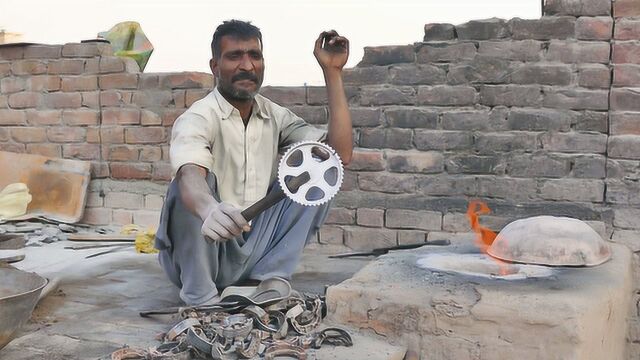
(533, 116)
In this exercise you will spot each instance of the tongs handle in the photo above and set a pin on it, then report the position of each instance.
(274, 196)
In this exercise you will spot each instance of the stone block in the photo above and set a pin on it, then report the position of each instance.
(25, 99)
(624, 146)
(445, 52)
(66, 67)
(447, 185)
(444, 95)
(442, 140)
(507, 141)
(285, 96)
(81, 151)
(153, 99)
(384, 95)
(28, 134)
(466, 120)
(386, 182)
(66, 134)
(41, 117)
(457, 222)
(417, 74)
(626, 75)
(474, 164)
(80, 117)
(370, 75)
(545, 28)
(439, 32)
(125, 171)
(42, 51)
(627, 219)
(626, 8)
(341, 216)
(540, 119)
(146, 218)
(482, 69)
(370, 217)
(123, 200)
(415, 161)
(538, 165)
(331, 235)
(409, 219)
(575, 142)
(366, 239)
(625, 123)
(153, 202)
(28, 67)
(629, 238)
(592, 121)
(590, 167)
(406, 117)
(627, 52)
(511, 95)
(588, 190)
(594, 28)
(44, 83)
(576, 99)
(386, 138)
(545, 74)
(579, 52)
(144, 135)
(385, 55)
(365, 117)
(367, 161)
(594, 76)
(577, 7)
(521, 50)
(625, 192)
(410, 237)
(513, 189)
(96, 216)
(621, 99)
(493, 28)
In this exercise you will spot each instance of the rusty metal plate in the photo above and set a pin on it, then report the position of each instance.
(58, 186)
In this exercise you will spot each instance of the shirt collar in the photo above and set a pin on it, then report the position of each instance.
(226, 108)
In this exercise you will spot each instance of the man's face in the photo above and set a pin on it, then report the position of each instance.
(239, 68)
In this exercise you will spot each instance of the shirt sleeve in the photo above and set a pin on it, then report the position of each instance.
(295, 129)
(191, 142)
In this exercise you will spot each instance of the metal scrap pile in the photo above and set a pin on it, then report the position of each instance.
(241, 327)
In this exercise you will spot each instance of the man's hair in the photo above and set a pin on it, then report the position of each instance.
(238, 29)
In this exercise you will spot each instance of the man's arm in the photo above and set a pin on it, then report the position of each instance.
(332, 51)
(221, 221)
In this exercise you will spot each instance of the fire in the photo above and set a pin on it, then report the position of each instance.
(484, 236)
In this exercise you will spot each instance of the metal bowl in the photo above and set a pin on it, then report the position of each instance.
(550, 240)
(19, 293)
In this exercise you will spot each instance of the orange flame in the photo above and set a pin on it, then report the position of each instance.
(484, 236)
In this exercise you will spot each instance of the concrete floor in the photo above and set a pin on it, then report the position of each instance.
(95, 309)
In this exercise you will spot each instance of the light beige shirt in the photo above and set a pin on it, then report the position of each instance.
(211, 134)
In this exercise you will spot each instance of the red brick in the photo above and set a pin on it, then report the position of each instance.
(28, 67)
(44, 83)
(99, 169)
(42, 51)
(111, 64)
(123, 153)
(79, 83)
(594, 28)
(367, 160)
(92, 66)
(80, 117)
(11, 52)
(341, 216)
(4, 134)
(626, 53)
(153, 202)
(5, 68)
(13, 84)
(86, 50)
(625, 99)
(81, 151)
(120, 116)
(195, 95)
(331, 235)
(118, 81)
(91, 99)
(44, 117)
(28, 134)
(112, 135)
(179, 98)
(150, 153)
(370, 217)
(147, 135)
(169, 116)
(50, 150)
(122, 217)
(165, 152)
(148, 117)
(124, 200)
(626, 75)
(12, 147)
(627, 29)
(96, 216)
(66, 134)
(625, 123)
(4, 101)
(12, 117)
(66, 66)
(626, 8)
(64, 100)
(153, 98)
(186, 80)
(130, 170)
(162, 172)
(26, 99)
(110, 98)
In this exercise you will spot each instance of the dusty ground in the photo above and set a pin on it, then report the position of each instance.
(95, 309)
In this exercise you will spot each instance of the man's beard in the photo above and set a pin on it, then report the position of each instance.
(234, 93)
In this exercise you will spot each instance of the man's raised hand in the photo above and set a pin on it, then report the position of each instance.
(223, 222)
(331, 50)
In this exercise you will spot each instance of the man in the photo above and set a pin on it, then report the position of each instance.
(224, 151)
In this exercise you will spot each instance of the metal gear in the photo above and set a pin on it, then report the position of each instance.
(323, 165)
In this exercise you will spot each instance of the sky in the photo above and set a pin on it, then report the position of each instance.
(180, 30)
